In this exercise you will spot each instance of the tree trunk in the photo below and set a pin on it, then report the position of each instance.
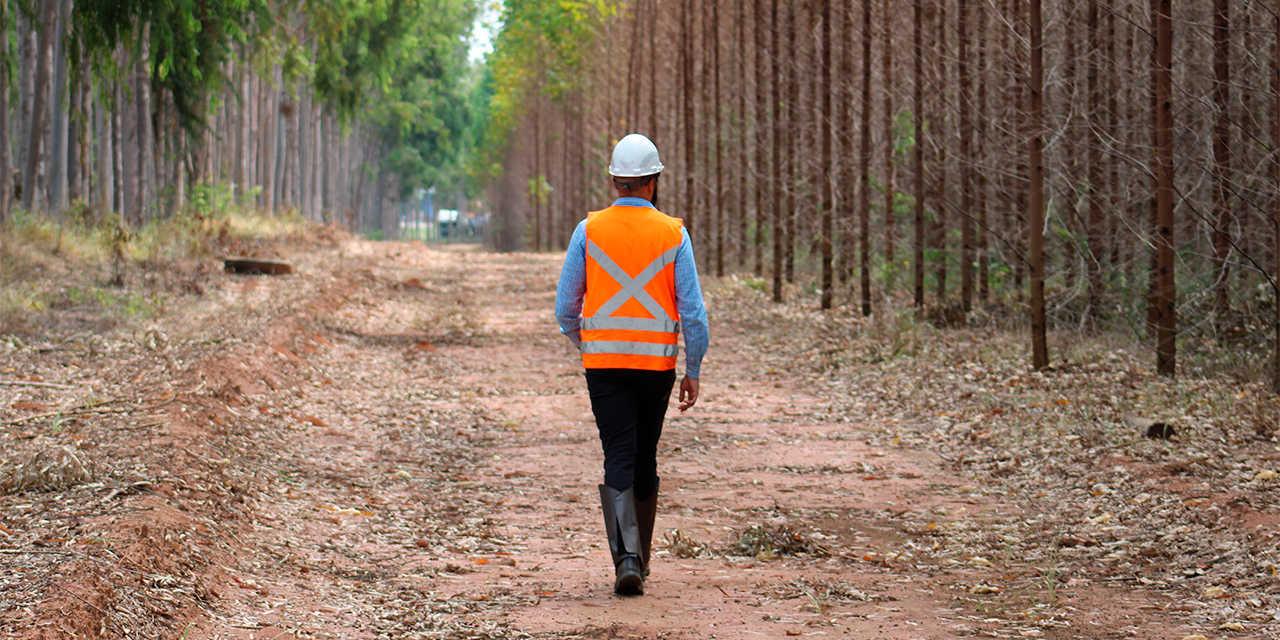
(890, 143)
(983, 186)
(130, 149)
(742, 151)
(146, 148)
(1070, 184)
(77, 165)
(718, 136)
(864, 166)
(690, 129)
(39, 103)
(240, 131)
(1166, 292)
(776, 163)
(305, 137)
(6, 173)
(917, 44)
(966, 157)
(58, 108)
(1275, 202)
(27, 32)
(1093, 159)
(120, 199)
(794, 122)
(939, 138)
(1221, 156)
(764, 174)
(653, 70)
(824, 131)
(1039, 343)
(536, 192)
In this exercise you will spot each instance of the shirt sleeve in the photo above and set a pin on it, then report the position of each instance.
(693, 311)
(573, 286)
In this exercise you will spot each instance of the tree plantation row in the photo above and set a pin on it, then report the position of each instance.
(1109, 164)
(146, 109)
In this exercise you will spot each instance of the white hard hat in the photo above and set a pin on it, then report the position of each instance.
(635, 156)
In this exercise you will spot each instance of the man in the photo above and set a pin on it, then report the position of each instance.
(628, 286)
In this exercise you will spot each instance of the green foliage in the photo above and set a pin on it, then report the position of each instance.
(542, 49)
(190, 40)
(403, 65)
(904, 132)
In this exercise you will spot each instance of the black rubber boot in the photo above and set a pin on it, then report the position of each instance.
(646, 512)
(624, 539)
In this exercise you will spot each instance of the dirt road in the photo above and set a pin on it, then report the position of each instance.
(395, 442)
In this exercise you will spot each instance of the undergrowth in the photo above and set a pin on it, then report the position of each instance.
(104, 270)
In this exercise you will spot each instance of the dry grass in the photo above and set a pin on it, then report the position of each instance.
(48, 470)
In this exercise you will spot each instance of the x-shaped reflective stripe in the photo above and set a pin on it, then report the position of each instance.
(632, 288)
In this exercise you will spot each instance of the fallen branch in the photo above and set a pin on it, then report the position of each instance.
(25, 383)
(75, 411)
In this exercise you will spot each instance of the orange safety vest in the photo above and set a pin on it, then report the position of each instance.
(629, 315)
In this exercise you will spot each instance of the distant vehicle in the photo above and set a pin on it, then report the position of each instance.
(448, 219)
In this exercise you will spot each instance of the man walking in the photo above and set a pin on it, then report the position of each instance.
(628, 287)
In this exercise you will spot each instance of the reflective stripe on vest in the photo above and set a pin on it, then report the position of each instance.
(632, 348)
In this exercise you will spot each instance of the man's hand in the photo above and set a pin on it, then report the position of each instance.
(688, 393)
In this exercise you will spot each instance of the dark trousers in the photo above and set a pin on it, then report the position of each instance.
(630, 405)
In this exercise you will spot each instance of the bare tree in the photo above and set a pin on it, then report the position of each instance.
(1221, 155)
(6, 174)
(824, 130)
(864, 166)
(966, 156)
(776, 163)
(917, 18)
(764, 172)
(1165, 294)
(1275, 201)
(890, 138)
(1039, 344)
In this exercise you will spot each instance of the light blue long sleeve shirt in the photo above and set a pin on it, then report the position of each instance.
(572, 289)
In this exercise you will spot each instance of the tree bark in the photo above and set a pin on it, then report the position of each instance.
(60, 114)
(763, 174)
(690, 123)
(120, 200)
(27, 33)
(1221, 157)
(742, 150)
(983, 185)
(305, 183)
(1039, 343)
(794, 123)
(939, 138)
(1093, 159)
(6, 173)
(890, 143)
(864, 166)
(1275, 202)
(39, 102)
(966, 157)
(718, 209)
(776, 163)
(917, 43)
(146, 148)
(824, 131)
(1166, 291)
